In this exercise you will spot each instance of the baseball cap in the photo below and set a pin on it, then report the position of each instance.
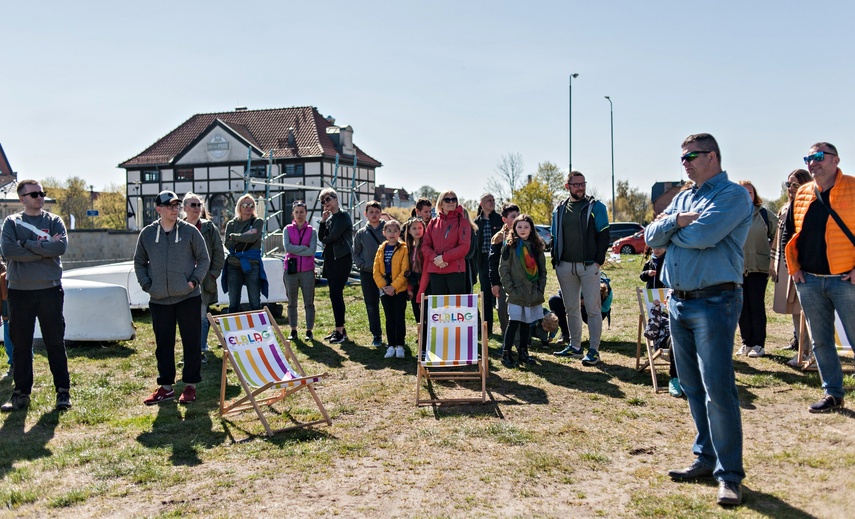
(166, 198)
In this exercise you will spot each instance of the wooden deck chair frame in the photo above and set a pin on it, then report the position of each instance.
(273, 389)
(653, 357)
(434, 367)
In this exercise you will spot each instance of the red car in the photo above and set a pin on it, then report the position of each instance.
(634, 244)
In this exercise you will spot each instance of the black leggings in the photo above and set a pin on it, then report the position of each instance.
(337, 271)
(511, 331)
(445, 284)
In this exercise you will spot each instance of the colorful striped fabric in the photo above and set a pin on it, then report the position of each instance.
(452, 337)
(253, 344)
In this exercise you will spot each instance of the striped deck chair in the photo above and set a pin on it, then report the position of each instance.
(449, 345)
(265, 365)
(647, 301)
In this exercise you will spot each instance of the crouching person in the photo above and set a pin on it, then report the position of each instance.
(170, 262)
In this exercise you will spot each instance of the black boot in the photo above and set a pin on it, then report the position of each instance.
(508, 359)
(525, 358)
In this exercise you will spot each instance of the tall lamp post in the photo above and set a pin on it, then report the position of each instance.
(570, 123)
(612, 119)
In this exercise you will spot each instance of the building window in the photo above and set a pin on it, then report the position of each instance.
(149, 214)
(293, 170)
(151, 175)
(258, 171)
(184, 174)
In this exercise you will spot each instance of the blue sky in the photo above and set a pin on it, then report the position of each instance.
(437, 91)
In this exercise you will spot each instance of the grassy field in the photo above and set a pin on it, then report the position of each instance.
(554, 440)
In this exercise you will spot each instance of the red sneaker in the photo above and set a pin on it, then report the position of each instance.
(188, 396)
(161, 395)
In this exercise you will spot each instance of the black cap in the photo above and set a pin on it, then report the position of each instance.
(165, 198)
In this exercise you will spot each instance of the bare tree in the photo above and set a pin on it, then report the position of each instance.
(507, 178)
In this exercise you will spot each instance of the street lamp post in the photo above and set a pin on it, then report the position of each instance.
(612, 119)
(570, 124)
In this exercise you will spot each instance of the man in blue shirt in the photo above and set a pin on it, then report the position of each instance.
(704, 230)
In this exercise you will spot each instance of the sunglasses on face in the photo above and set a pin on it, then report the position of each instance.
(248, 206)
(692, 155)
(194, 205)
(450, 200)
(792, 184)
(36, 194)
(817, 157)
(326, 199)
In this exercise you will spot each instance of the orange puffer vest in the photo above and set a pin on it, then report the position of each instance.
(840, 251)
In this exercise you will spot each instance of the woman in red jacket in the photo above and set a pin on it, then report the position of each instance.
(446, 243)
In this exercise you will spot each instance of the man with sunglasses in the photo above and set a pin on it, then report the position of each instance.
(821, 261)
(580, 226)
(704, 230)
(33, 242)
(171, 261)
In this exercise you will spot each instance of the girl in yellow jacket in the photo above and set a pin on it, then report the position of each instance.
(390, 266)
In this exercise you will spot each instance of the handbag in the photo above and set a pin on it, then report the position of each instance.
(291, 265)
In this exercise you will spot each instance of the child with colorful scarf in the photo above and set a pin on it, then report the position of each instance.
(522, 269)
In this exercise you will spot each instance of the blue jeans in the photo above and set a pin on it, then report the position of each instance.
(702, 331)
(237, 279)
(206, 326)
(820, 296)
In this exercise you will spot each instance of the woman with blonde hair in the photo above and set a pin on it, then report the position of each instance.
(757, 252)
(446, 244)
(243, 264)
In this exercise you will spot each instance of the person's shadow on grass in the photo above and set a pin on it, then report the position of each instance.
(185, 435)
(17, 444)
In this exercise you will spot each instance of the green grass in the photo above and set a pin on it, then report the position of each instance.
(555, 440)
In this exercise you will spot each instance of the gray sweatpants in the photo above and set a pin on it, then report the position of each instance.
(576, 280)
(305, 281)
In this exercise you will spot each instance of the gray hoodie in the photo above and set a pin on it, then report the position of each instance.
(365, 245)
(165, 263)
(34, 258)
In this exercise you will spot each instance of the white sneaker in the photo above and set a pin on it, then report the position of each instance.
(795, 362)
(390, 352)
(399, 352)
(743, 350)
(757, 351)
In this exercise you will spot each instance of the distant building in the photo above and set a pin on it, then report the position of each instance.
(392, 196)
(662, 194)
(208, 154)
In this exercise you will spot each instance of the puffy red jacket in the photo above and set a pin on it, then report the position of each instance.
(447, 235)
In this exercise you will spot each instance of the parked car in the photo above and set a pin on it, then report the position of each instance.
(618, 230)
(634, 244)
(545, 233)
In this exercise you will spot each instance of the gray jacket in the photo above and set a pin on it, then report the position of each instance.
(521, 290)
(365, 245)
(217, 255)
(166, 263)
(34, 260)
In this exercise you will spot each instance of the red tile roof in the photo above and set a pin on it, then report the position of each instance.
(263, 129)
(5, 167)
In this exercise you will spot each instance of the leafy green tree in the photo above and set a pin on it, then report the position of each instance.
(633, 204)
(112, 208)
(536, 200)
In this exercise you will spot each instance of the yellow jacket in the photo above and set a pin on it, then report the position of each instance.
(840, 251)
(400, 266)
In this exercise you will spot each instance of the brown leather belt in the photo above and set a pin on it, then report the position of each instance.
(710, 291)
